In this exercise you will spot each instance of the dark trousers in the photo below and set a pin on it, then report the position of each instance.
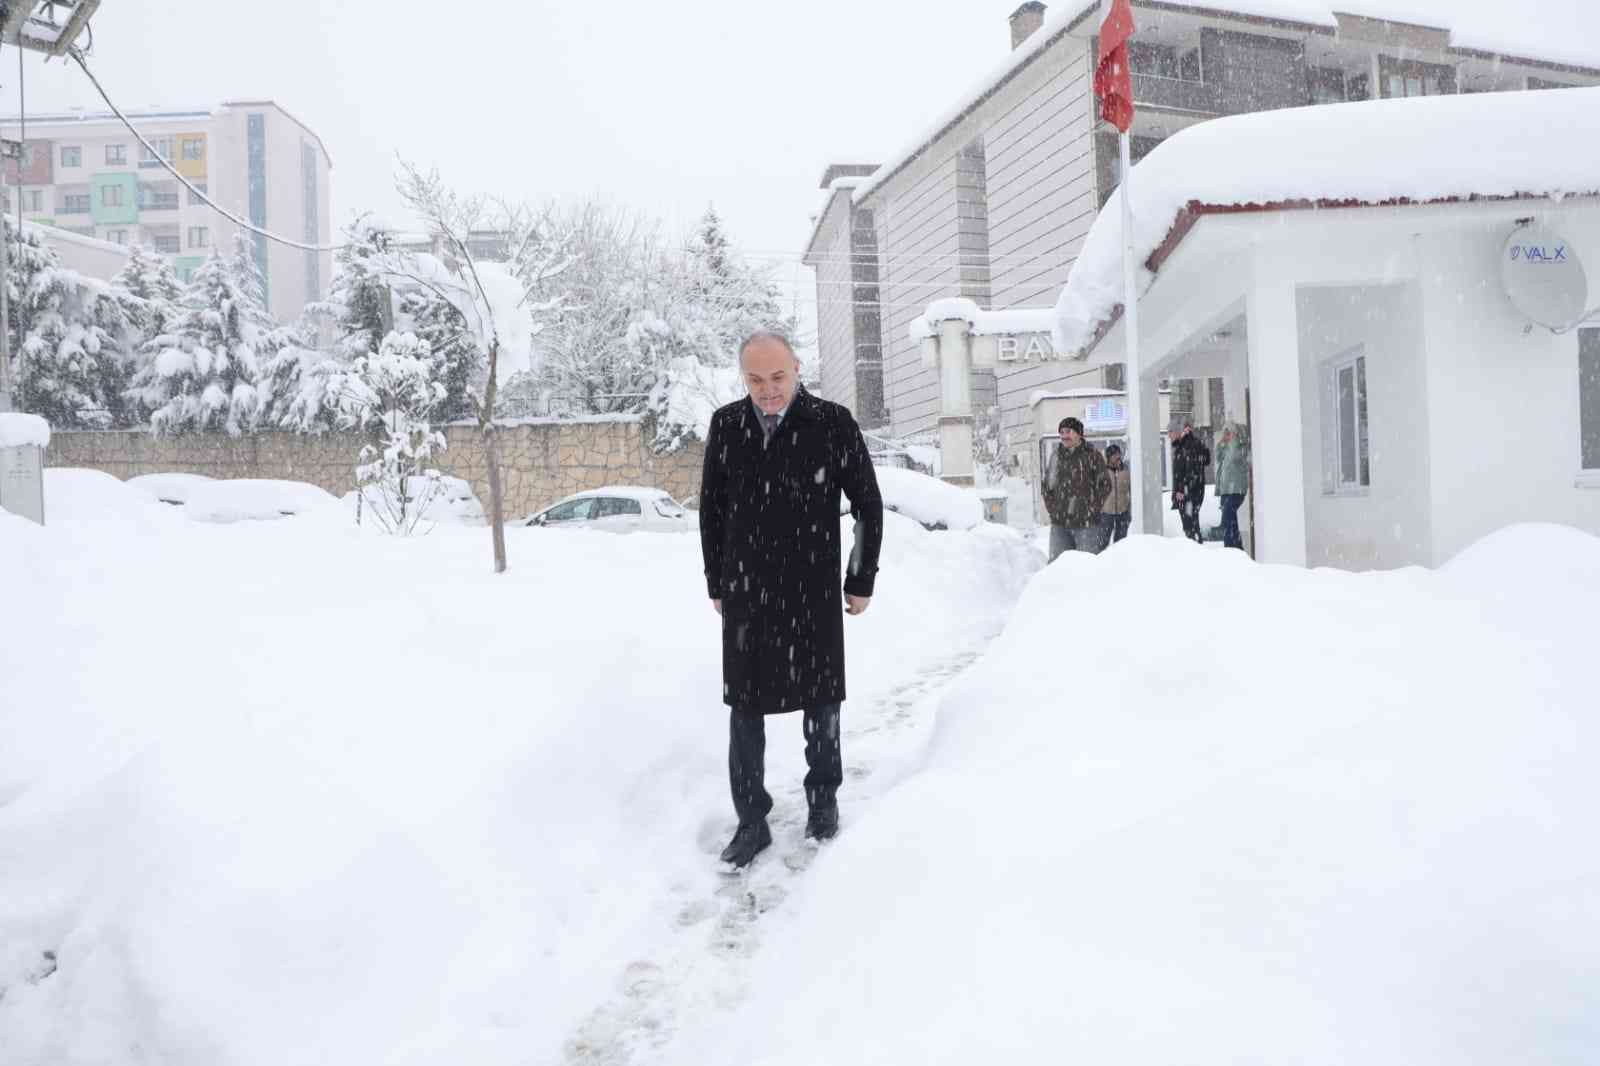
(747, 753)
(1230, 519)
(1189, 513)
(1113, 527)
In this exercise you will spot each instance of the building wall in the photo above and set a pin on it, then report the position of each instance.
(1503, 400)
(919, 249)
(836, 342)
(540, 463)
(1042, 200)
(1389, 524)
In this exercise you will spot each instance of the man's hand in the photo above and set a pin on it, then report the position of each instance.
(718, 605)
(856, 604)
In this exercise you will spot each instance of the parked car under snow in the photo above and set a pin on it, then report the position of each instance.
(615, 509)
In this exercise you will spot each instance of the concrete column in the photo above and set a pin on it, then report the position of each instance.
(955, 401)
(1147, 453)
(1277, 445)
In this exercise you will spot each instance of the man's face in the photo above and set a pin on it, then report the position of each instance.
(1071, 437)
(1177, 434)
(771, 373)
(1114, 460)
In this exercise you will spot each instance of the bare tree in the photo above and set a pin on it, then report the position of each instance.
(493, 297)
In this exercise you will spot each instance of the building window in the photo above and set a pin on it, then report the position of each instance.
(1401, 78)
(1159, 60)
(71, 155)
(1589, 396)
(1348, 461)
(199, 186)
(33, 200)
(75, 203)
(117, 236)
(111, 196)
(194, 148)
(199, 237)
(116, 154)
(163, 146)
(165, 243)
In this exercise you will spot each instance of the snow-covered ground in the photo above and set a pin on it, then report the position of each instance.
(290, 793)
(286, 792)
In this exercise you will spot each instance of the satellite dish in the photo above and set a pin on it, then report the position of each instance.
(1544, 278)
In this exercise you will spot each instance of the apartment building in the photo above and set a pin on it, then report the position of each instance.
(996, 199)
(84, 172)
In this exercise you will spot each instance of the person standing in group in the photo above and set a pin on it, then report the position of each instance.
(776, 463)
(1190, 457)
(1075, 488)
(1116, 512)
(1233, 480)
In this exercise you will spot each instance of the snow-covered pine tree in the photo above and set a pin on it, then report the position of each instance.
(739, 297)
(360, 302)
(203, 372)
(150, 279)
(295, 376)
(69, 339)
(458, 362)
(390, 396)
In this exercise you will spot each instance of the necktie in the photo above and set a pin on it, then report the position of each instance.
(769, 424)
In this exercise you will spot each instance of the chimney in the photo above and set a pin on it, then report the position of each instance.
(1024, 20)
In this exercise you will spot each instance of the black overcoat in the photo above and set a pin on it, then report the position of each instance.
(770, 534)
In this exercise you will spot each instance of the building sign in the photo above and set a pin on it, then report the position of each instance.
(1544, 278)
(1025, 348)
(1105, 415)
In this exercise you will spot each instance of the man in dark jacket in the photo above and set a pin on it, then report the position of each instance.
(1075, 488)
(1190, 457)
(775, 465)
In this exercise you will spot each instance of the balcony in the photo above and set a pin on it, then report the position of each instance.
(74, 205)
(158, 201)
(165, 245)
(1179, 94)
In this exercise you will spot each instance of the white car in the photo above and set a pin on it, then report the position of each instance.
(615, 509)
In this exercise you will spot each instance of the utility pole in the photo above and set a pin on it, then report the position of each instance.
(51, 28)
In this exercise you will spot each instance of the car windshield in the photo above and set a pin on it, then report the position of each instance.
(668, 508)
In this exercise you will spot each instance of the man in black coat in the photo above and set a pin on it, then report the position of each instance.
(776, 462)
(1190, 457)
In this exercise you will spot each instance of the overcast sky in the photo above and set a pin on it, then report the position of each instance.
(661, 106)
(664, 106)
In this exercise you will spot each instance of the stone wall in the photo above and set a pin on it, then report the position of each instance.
(541, 460)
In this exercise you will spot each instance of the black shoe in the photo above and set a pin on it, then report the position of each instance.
(748, 842)
(823, 824)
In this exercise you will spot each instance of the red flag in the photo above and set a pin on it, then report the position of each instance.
(1113, 81)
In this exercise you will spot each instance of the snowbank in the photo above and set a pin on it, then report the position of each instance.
(929, 500)
(253, 499)
(1192, 809)
(285, 794)
(18, 430)
(169, 488)
(1543, 143)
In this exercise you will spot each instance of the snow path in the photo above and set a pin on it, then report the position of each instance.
(718, 924)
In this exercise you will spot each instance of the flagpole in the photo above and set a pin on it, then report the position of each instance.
(1130, 324)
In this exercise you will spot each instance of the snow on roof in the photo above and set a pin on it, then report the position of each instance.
(642, 493)
(66, 236)
(1569, 34)
(1010, 320)
(18, 430)
(1418, 150)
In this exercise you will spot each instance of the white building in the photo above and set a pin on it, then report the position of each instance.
(993, 199)
(86, 173)
(1399, 310)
